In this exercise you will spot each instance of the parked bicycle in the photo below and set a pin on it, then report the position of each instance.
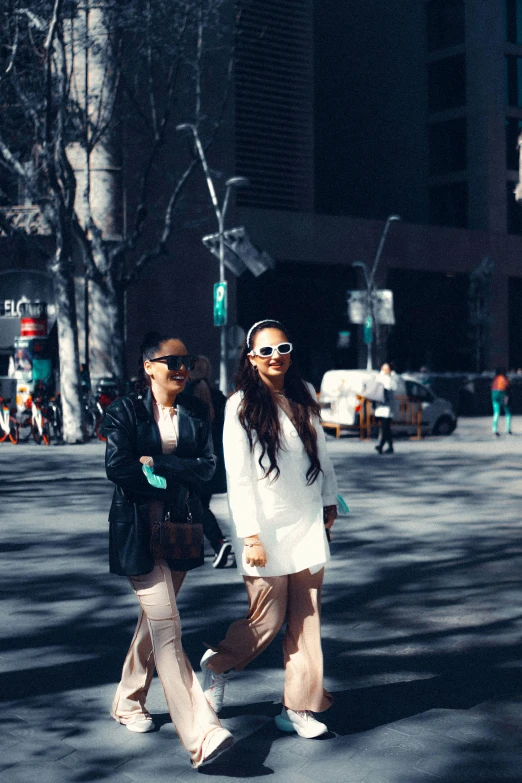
(8, 424)
(106, 392)
(40, 424)
(55, 416)
(90, 410)
(37, 415)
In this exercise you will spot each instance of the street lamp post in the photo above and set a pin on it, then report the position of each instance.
(233, 182)
(369, 278)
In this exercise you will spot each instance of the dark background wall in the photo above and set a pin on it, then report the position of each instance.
(371, 109)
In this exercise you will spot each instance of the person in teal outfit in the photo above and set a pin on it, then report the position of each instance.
(500, 393)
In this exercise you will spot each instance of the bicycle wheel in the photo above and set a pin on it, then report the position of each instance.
(35, 432)
(99, 429)
(90, 424)
(46, 432)
(14, 431)
(25, 428)
(57, 426)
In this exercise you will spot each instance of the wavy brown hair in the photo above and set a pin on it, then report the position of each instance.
(259, 414)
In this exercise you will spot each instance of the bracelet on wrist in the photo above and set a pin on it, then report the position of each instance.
(254, 543)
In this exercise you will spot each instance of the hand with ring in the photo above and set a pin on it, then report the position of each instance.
(255, 554)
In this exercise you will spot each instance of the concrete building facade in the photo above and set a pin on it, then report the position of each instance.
(417, 112)
(343, 114)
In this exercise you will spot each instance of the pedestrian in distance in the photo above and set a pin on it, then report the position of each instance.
(199, 386)
(384, 410)
(500, 394)
(159, 448)
(282, 494)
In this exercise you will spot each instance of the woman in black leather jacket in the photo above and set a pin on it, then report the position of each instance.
(170, 433)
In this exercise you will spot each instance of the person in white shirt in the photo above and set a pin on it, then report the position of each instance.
(384, 411)
(282, 494)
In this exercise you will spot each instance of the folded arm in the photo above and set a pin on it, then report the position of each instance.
(122, 465)
(190, 470)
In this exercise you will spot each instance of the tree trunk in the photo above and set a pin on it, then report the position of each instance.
(106, 331)
(68, 350)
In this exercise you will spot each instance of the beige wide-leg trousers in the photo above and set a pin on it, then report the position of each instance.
(295, 598)
(157, 641)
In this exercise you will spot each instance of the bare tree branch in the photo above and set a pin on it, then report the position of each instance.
(91, 269)
(34, 21)
(161, 247)
(54, 22)
(14, 50)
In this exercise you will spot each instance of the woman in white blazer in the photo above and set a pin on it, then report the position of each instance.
(282, 495)
(384, 411)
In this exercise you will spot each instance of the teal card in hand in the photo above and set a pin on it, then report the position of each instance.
(155, 481)
(341, 502)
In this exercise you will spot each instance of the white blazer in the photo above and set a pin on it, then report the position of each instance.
(385, 411)
(285, 512)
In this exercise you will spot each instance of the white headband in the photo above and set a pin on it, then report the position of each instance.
(264, 321)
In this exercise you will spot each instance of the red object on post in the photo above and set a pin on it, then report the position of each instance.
(33, 327)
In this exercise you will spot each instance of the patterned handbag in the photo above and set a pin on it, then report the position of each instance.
(179, 541)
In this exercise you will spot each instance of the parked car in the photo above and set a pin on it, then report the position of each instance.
(339, 401)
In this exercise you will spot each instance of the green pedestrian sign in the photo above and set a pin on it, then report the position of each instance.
(220, 304)
(368, 331)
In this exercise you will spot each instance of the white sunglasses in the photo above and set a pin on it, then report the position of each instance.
(268, 350)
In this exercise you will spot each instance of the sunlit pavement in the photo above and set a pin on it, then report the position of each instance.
(421, 616)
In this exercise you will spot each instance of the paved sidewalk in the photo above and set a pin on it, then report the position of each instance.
(422, 619)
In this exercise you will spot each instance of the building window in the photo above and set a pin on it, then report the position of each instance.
(274, 104)
(449, 205)
(513, 80)
(448, 146)
(447, 83)
(514, 210)
(513, 20)
(444, 23)
(513, 131)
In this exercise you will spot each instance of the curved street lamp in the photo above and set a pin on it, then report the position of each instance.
(369, 278)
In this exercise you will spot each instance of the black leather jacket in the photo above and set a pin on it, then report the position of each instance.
(132, 433)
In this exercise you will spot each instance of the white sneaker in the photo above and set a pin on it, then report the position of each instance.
(140, 723)
(301, 721)
(213, 684)
(213, 746)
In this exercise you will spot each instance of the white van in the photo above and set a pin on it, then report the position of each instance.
(339, 403)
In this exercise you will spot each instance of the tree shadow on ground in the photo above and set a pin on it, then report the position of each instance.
(420, 614)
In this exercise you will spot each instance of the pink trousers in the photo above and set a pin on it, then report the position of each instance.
(157, 642)
(295, 598)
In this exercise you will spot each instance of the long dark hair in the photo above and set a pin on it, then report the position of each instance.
(258, 410)
(148, 349)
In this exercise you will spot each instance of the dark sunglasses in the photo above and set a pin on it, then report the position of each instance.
(176, 362)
